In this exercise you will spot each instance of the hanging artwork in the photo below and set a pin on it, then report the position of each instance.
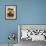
(12, 37)
(10, 12)
(32, 32)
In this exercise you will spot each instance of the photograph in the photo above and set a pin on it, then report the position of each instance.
(10, 12)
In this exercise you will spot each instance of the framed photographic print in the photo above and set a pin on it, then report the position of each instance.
(10, 12)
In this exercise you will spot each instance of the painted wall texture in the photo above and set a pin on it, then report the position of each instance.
(28, 12)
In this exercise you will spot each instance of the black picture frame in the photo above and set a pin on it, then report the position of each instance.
(12, 9)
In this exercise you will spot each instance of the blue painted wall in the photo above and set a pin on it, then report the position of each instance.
(28, 12)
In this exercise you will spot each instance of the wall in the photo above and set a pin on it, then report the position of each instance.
(28, 12)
